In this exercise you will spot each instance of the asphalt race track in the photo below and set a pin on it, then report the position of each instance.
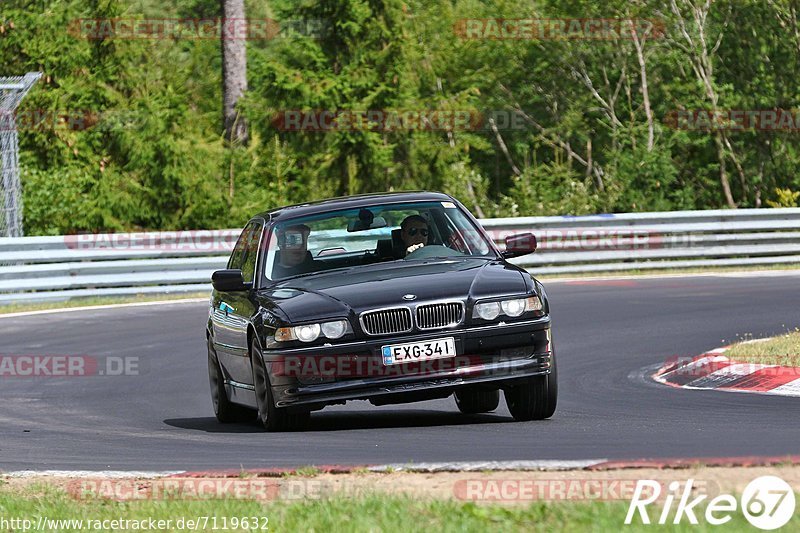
(606, 332)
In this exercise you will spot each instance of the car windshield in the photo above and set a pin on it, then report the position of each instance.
(373, 234)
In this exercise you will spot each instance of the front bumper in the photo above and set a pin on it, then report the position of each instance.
(486, 355)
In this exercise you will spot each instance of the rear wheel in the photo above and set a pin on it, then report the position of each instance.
(271, 417)
(225, 411)
(471, 401)
(534, 398)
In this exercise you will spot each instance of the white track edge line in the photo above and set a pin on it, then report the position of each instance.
(732, 274)
(106, 306)
(473, 466)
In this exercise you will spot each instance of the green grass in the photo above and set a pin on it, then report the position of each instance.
(781, 350)
(304, 471)
(363, 513)
(98, 300)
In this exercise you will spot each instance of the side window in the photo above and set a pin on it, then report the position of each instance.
(251, 254)
(244, 253)
(236, 256)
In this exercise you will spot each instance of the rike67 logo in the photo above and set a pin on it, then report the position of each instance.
(767, 503)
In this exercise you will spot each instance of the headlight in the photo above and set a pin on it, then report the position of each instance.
(311, 332)
(488, 310)
(335, 329)
(307, 333)
(513, 308)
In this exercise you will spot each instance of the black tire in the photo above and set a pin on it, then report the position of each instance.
(471, 401)
(534, 399)
(225, 411)
(270, 417)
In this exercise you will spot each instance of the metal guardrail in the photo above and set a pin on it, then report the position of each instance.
(62, 267)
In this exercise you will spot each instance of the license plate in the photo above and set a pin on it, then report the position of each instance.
(397, 354)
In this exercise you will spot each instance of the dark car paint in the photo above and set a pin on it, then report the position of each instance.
(237, 317)
(353, 202)
(367, 287)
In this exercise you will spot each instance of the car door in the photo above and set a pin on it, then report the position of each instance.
(233, 311)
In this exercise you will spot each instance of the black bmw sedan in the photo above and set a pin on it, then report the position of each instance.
(390, 298)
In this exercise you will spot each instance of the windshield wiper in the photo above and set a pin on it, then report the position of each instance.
(454, 257)
(306, 274)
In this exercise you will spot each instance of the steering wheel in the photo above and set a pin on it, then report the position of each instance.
(433, 250)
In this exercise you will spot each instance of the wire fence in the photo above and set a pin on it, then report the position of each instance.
(12, 91)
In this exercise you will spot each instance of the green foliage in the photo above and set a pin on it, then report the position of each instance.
(785, 198)
(577, 138)
(549, 189)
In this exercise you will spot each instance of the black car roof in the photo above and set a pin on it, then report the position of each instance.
(351, 202)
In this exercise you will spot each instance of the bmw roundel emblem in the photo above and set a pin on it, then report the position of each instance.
(409, 297)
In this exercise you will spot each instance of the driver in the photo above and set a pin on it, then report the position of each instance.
(293, 255)
(414, 232)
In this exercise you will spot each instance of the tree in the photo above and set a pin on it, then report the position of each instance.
(234, 70)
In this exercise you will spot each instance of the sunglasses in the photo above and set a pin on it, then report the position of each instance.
(293, 240)
(421, 231)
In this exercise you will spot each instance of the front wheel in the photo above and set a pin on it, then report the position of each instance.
(534, 398)
(271, 417)
(225, 411)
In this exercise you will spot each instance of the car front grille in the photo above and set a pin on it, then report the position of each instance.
(440, 315)
(386, 321)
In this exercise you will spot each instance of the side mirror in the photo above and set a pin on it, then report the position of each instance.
(520, 244)
(229, 281)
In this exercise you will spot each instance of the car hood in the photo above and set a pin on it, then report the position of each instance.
(342, 292)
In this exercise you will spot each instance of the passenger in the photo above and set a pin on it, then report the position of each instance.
(293, 257)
